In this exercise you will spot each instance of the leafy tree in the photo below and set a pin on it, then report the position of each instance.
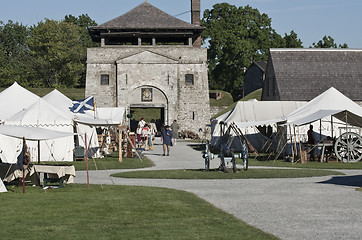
(292, 40)
(236, 37)
(58, 56)
(14, 55)
(83, 22)
(328, 42)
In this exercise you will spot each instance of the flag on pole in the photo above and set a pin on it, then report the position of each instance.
(81, 105)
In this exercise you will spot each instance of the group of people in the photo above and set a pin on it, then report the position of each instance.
(146, 133)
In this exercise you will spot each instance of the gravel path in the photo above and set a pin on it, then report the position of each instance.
(298, 208)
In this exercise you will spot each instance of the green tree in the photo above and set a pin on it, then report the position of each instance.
(292, 40)
(83, 22)
(236, 37)
(328, 42)
(58, 55)
(14, 54)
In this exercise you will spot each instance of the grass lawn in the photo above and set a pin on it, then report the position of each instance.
(317, 165)
(214, 174)
(108, 162)
(263, 161)
(116, 212)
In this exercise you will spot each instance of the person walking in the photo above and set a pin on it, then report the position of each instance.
(166, 135)
(174, 127)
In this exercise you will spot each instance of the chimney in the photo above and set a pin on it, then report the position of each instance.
(195, 19)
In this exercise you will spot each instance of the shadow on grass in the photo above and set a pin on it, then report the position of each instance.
(353, 181)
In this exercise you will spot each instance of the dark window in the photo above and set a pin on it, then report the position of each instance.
(189, 79)
(104, 79)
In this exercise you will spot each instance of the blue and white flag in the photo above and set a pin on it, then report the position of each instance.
(81, 105)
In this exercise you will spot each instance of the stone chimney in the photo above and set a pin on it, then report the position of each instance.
(195, 19)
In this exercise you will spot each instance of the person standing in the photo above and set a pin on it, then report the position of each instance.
(175, 127)
(166, 140)
(140, 126)
(311, 142)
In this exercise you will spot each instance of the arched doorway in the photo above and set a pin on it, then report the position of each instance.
(148, 102)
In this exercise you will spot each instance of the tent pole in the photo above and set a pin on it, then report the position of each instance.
(86, 157)
(332, 126)
(23, 165)
(38, 174)
(295, 142)
(38, 151)
(291, 142)
(120, 143)
(320, 129)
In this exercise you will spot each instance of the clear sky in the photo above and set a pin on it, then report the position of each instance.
(310, 19)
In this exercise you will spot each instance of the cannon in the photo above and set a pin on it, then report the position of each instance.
(226, 154)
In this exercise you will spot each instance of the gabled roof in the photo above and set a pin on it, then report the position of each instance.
(302, 74)
(146, 16)
(261, 65)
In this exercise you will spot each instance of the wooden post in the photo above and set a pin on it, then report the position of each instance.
(23, 164)
(86, 157)
(120, 142)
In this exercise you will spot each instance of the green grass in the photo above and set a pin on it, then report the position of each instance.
(256, 94)
(259, 161)
(226, 99)
(253, 95)
(109, 162)
(214, 174)
(116, 212)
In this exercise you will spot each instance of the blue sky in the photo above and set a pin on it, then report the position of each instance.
(310, 19)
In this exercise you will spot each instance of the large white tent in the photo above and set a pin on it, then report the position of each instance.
(329, 103)
(247, 115)
(42, 114)
(14, 99)
(63, 103)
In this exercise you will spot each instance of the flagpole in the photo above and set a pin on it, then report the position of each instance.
(95, 105)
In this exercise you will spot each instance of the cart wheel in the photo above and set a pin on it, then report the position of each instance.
(223, 166)
(207, 163)
(245, 157)
(207, 156)
(234, 164)
(245, 164)
(348, 147)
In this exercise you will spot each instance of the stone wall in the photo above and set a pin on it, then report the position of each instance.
(162, 70)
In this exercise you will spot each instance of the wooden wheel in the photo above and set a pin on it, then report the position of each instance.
(348, 147)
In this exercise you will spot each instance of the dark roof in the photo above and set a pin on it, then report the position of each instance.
(302, 74)
(261, 65)
(145, 16)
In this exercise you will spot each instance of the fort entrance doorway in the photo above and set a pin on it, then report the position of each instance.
(156, 114)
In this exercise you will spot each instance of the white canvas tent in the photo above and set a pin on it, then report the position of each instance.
(2, 187)
(14, 99)
(42, 114)
(247, 115)
(63, 103)
(329, 103)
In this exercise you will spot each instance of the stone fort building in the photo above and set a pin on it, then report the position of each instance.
(149, 59)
